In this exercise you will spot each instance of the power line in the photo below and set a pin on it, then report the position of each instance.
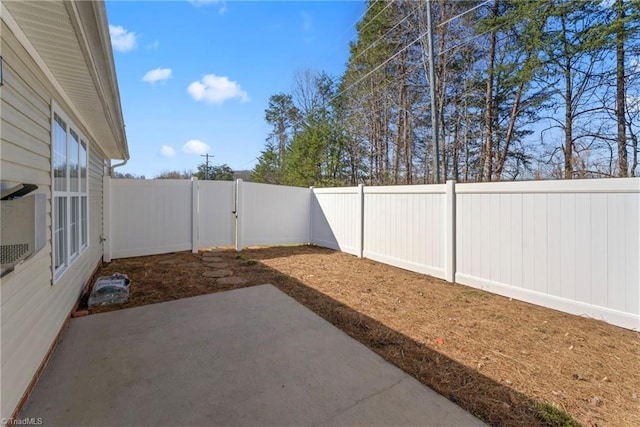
(462, 14)
(470, 39)
(252, 160)
(389, 3)
(404, 19)
(413, 42)
(384, 35)
(334, 54)
(380, 65)
(356, 21)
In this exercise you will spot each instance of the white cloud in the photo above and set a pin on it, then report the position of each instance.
(154, 45)
(195, 146)
(167, 151)
(221, 3)
(307, 21)
(121, 39)
(157, 75)
(216, 89)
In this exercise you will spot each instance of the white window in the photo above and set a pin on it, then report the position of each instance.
(70, 193)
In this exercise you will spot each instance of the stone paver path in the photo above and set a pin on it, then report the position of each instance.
(214, 250)
(217, 265)
(218, 273)
(224, 276)
(233, 280)
(212, 259)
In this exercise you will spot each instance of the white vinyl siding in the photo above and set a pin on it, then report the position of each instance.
(69, 193)
(32, 311)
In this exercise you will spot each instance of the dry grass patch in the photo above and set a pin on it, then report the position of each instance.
(508, 362)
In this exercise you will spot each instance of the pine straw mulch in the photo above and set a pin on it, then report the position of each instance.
(510, 363)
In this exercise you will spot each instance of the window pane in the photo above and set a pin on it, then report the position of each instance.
(74, 172)
(84, 221)
(59, 154)
(74, 223)
(59, 221)
(83, 167)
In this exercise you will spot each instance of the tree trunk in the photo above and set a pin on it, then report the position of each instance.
(408, 149)
(623, 165)
(509, 136)
(441, 89)
(400, 120)
(456, 142)
(488, 148)
(634, 146)
(568, 101)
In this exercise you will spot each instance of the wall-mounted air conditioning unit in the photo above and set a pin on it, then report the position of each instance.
(23, 221)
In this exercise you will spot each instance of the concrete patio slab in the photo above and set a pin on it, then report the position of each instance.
(251, 356)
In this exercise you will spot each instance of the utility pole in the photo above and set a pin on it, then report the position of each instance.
(206, 170)
(432, 94)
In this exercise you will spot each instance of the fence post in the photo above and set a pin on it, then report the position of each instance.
(195, 215)
(106, 218)
(311, 204)
(360, 220)
(450, 232)
(238, 214)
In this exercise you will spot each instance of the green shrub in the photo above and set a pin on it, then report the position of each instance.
(553, 416)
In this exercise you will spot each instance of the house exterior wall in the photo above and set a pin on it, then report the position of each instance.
(33, 308)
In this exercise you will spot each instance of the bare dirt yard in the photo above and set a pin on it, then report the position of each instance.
(508, 362)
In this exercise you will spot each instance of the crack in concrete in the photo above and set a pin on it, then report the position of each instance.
(359, 401)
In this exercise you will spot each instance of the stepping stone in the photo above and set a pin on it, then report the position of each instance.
(235, 280)
(191, 265)
(217, 273)
(212, 259)
(217, 265)
(213, 251)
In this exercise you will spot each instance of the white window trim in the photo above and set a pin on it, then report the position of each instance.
(68, 194)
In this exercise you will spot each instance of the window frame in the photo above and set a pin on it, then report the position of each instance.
(72, 195)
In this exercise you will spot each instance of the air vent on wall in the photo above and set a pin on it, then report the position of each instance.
(23, 220)
(18, 191)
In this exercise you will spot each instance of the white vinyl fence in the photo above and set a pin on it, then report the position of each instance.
(216, 217)
(336, 219)
(569, 245)
(147, 217)
(407, 226)
(273, 214)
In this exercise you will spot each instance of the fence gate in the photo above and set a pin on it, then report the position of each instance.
(216, 217)
(146, 217)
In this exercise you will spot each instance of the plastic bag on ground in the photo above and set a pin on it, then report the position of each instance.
(109, 290)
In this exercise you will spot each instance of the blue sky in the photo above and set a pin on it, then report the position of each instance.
(196, 76)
